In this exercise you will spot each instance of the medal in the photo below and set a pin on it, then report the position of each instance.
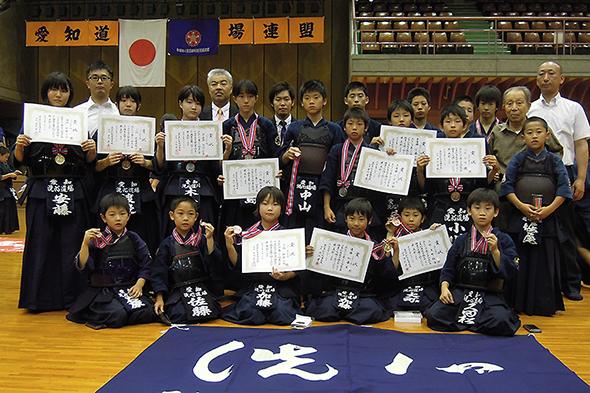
(248, 142)
(60, 159)
(395, 222)
(346, 170)
(190, 167)
(343, 192)
(454, 187)
(237, 229)
(248, 156)
(387, 247)
(455, 196)
(126, 164)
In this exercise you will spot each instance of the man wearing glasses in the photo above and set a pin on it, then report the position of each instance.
(99, 79)
(220, 86)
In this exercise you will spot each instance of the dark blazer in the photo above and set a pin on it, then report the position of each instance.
(206, 112)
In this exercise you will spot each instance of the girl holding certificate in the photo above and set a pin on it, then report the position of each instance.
(129, 176)
(264, 298)
(197, 179)
(57, 212)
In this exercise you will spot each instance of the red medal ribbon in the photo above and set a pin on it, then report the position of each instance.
(193, 240)
(378, 252)
(455, 184)
(107, 237)
(257, 229)
(58, 149)
(291, 196)
(345, 170)
(480, 246)
(248, 142)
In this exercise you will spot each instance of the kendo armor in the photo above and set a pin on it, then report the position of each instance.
(117, 266)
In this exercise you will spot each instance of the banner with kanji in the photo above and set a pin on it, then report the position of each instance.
(73, 33)
(193, 37)
(306, 30)
(236, 31)
(271, 31)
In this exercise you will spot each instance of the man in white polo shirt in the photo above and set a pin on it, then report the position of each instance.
(570, 124)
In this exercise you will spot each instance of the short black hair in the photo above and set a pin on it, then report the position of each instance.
(114, 199)
(412, 202)
(279, 88)
(4, 150)
(274, 193)
(489, 94)
(400, 104)
(453, 110)
(245, 86)
(313, 86)
(483, 195)
(99, 65)
(463, 98)
(57, 80)
(192, 91)
(360, 206)
(534, 119)
(355, 86)
(419, 91)
(128, 92)
(356, 113)
(165, 117)
(184, 198)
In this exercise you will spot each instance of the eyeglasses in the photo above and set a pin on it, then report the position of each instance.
(103, 78)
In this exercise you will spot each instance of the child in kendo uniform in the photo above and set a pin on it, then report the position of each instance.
(338, 299)
(184, 269)
(263, 298)
(117, 264)
(536, 183)
(472, 278)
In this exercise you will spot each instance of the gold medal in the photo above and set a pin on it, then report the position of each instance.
(126, 165)
(60, 159)
(343, 192)
(455, 196)
(387, 247)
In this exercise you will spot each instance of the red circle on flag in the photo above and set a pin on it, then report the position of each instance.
(193, 38)
(142, 52)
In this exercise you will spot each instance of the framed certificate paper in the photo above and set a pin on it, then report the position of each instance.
(193, 140)
(244, 178)
(456, 157)
(126, 134)
(284, 250)
(381, 172)
(339, 255)
(423, 251)
(409, 141)
(44, 123)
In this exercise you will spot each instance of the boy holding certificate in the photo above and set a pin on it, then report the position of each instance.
(184, 268)
(473, 276)
(537, 184)
(357, 302)
(129, 175)
(341, 165)
(418, 292)
(447, 197)
(263, 298)
(117, 264)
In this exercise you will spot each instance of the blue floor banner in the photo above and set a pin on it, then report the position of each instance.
(340, 359)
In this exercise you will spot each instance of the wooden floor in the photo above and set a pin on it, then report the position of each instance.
(45, 352)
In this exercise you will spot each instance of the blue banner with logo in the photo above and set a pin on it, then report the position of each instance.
(341, 359)
(193, 37)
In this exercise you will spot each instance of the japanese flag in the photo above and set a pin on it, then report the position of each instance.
(142, 53)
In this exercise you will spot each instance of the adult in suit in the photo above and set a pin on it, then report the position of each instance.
(282, 99)
(220, 83)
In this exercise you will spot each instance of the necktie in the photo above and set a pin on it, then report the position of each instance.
(283, 129)
(219, 114)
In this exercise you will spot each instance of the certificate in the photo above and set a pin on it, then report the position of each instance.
(126, 134)
(423, 251)
(381, 172)
(410, 141)
(194, 140)
(339, 255)
(52, 124)
(284, 250)
(244, 178)
(456, 157)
